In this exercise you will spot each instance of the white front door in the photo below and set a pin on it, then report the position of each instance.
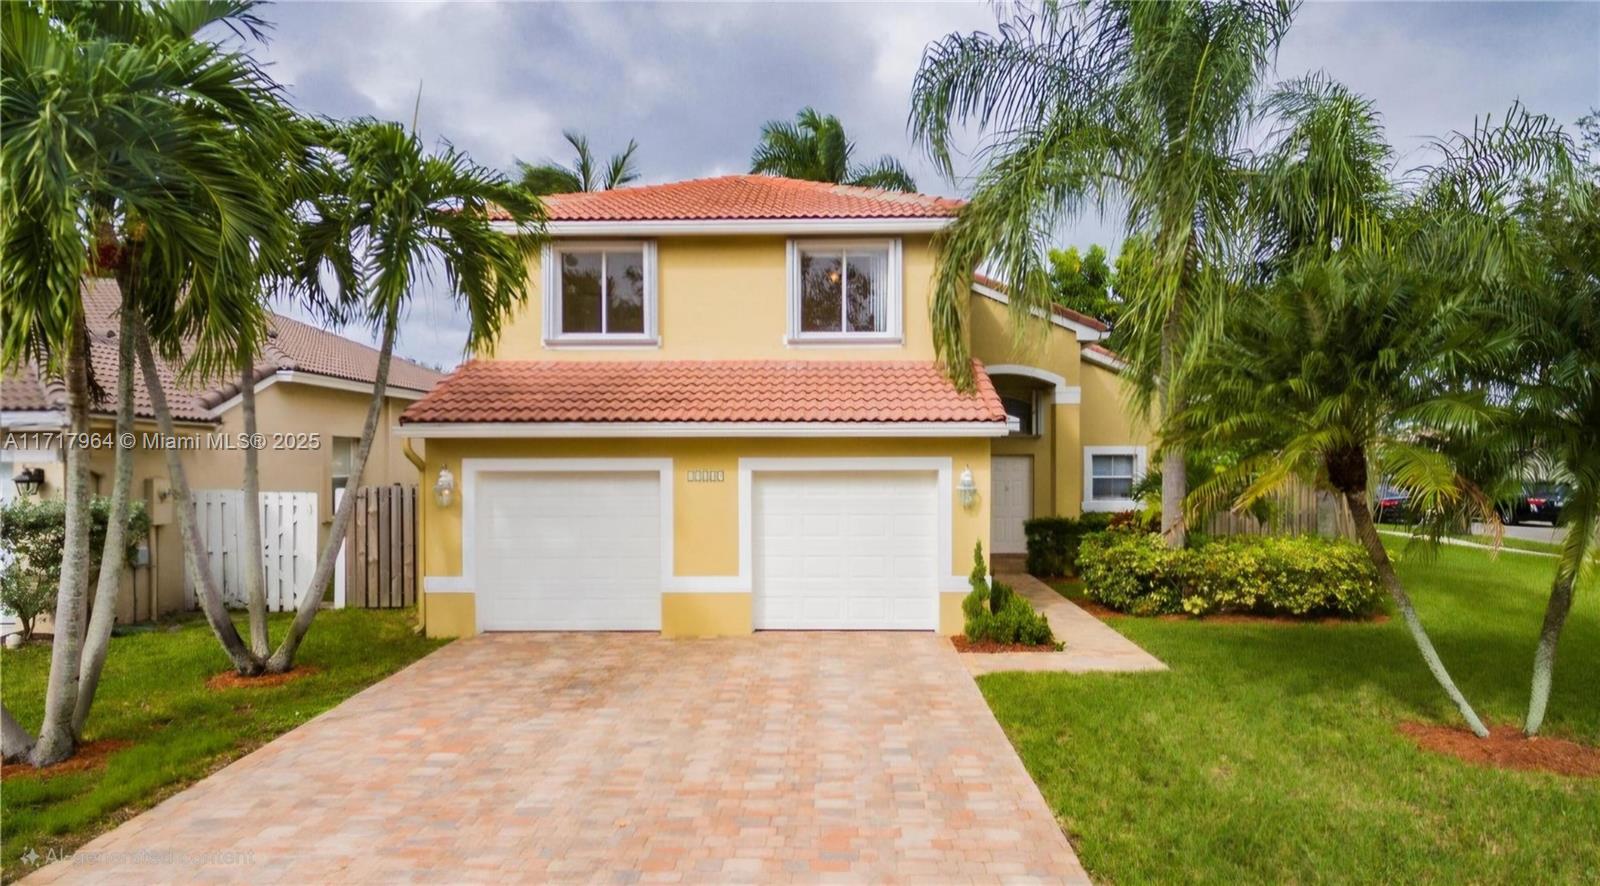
(846, 550)
(568, 551)
(1011, 504)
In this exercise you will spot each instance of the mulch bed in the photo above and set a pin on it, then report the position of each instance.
(90, 755)
(1507, 748)
(962, 644)
(232, 680)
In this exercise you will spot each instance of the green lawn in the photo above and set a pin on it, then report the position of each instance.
(1269, 753)
(153, 694)
(1506, 541)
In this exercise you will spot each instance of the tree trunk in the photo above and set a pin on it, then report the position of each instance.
(255, 581)
(193, 552)
(1361, 516)
(283, 659)
(112, 557)
(1174, 470)
(15, 742)
(56, 737)
(1573, 552)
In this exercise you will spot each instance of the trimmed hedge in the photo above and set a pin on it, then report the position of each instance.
(1053, 542)
(33, 534)
(1135, 572)
(996, 614)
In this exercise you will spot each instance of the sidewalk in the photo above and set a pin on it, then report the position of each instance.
(1092, 646)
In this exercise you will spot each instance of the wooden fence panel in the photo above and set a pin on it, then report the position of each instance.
(1298, 510)
(380, 549)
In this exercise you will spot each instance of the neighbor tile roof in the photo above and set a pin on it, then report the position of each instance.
(1064, 313)
(742, 197)
(705, 391)
(291, 345)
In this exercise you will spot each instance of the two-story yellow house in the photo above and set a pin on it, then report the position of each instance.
(720, 412)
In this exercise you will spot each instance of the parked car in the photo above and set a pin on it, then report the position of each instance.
(1540, 502)
(1393, 505)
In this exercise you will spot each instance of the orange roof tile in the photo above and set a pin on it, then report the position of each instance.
(704, 391)
(742, 197)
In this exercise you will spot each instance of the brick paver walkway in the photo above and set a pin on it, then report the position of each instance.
(621, 758)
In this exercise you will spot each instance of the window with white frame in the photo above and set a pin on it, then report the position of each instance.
(844, 291)
(600, 293)
(1110, 473)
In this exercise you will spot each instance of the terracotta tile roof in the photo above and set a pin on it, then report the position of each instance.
(1064, 313)
(741, 197)
(1106, 352)
(704, 391)
(292, 345)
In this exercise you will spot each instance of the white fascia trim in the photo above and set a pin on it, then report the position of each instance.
(942, 468)
(319, 381)
(719, 227)
(1084, 333)
(33, 419)
(1112, 505)
(527, 430)
(1064, 393)
(1100, 359)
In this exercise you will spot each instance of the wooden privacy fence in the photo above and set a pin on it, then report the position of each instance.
(1298, 510)
(379, 568)
(288, 544)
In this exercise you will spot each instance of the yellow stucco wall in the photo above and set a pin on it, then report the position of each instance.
(705, 515)
(1046, 346)
(726, 298)
(1109, 419)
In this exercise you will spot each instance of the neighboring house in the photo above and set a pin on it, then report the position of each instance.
(312, 396)
(720, 412)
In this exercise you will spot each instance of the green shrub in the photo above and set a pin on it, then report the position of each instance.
(1053, 542)
(996, 614)
(1134, 572)
(33, 534)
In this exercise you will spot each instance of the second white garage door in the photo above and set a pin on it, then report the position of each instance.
(839, 551)
(568, 551)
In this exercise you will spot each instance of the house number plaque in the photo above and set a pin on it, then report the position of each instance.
(705, 476)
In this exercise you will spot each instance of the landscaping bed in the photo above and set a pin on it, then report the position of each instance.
(163, 718)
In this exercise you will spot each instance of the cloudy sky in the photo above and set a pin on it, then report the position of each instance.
(693, 82)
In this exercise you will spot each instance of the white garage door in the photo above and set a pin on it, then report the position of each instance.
(845, 551)
(568, 551)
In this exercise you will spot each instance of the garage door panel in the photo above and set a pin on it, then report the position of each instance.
(845, 550)
(569, 551)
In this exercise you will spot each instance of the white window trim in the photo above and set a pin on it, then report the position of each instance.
(551, 267)
(1111, 505)
(892, 334)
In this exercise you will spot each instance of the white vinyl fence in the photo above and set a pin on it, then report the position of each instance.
(288, 544)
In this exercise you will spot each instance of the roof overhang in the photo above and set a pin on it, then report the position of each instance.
(301, 377)
(1100, 359)
(1084, 332)
(721, 227)
(33, 419)
(526, 430)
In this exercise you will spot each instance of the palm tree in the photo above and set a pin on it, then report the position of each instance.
(1355, 326)
(1118, 104)
(122, 151)
(401, 211)
(1557, 402)
(585, 174)
(814, 147)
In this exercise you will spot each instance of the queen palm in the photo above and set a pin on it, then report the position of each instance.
(815, 148)
(585, 174)
(123, 152)
(1118, 105)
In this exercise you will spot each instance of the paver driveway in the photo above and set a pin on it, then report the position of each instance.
(622, 758)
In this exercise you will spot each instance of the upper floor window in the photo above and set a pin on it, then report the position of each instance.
(1021, 415)
(844, 291)
(601, 293)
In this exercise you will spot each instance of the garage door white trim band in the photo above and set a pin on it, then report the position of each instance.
(939, 466)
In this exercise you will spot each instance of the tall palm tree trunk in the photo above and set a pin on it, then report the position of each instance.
(15, 742)
(1174, 468)
(1573, 552)
(113, 556)
(1367, 532)
(56, 737)
(255, 581)
(199, 573)
(283, 658)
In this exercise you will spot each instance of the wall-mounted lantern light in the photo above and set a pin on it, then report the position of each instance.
(967, 487)
(28, 481)
(444, 489)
